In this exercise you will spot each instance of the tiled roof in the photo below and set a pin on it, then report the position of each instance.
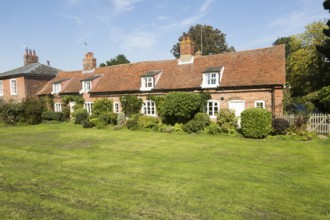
(151, 73)
(31, 69)
(247, 68)
(90, 78)
(212, 69)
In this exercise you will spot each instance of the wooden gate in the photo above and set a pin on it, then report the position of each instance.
(318, 123)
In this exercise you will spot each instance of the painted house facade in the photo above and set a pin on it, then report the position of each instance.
(26, 81)
(236, 80)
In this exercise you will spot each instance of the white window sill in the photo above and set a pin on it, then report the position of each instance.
(209, 86)
(146, 89)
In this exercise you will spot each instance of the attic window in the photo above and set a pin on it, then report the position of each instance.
(212, 77)
(56, 88)
(149, 79)
(86, 86)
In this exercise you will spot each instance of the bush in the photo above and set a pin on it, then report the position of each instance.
(102, 106)
(80, 115)
(148, 123)
(178, 127)
(52, 116)
(203, 117)
(193, 126)
(86, 123)
(130, 104)
(121, 118)
(256, 123)
(66, 112)
(132, 122)
(180, 107)
(280, 126)
(227, 121)
(213, 129)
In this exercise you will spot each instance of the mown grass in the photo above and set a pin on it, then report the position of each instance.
(67, 172)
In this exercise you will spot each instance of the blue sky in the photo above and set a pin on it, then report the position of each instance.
(140, 29)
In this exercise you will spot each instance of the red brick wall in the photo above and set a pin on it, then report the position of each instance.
(20, 86)
(34, 84)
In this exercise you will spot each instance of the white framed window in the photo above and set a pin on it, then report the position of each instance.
(1, 88)
(213, 107)
(89, 107)
(149, 108)
(147, 83)
(259, 104)
(56, 88)
(116, 107)
(86, 86)
(13, 87)
(57, 107)
(210, 80)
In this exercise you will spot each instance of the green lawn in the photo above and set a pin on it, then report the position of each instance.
(67, 172)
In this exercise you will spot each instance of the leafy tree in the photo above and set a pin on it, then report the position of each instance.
(306, 68)
(119, 59)
(213, 40)
(325, 48)
(322, 101)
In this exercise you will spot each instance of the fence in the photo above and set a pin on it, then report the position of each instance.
(319, 123)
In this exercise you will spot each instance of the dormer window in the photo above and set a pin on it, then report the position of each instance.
(56, 88)
(149, 79)
(212, 77)
(147, 83)
(86, 86)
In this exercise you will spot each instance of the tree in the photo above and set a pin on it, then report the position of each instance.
(325, 48)
(307, 69)
(213, 40)
(119, 59)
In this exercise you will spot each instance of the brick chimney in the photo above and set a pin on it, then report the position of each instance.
(186, 50)
(30, 57)
(89, 62)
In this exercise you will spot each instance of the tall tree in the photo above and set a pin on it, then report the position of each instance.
(119, 59)
(306, 68)
(213, 40)
(325, 48)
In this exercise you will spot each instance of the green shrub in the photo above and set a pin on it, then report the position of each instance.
(227, 121)
(193, 126)
(80, 115)
(130, 104)
(52, 116)
(86, 123)
(203, 117)
(102, 106)
(256, 123)
(180, 107)
(66, 112)
(213, 129)
(121, 118)
(148, 123)
(178, 127)
(132, 122)
(280, 126)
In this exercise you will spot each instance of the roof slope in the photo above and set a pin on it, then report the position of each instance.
(31, 69)
(247, 68)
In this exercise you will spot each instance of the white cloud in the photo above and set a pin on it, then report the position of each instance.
(75, 18)
(124, 5)
(206, 5)
(139, 39)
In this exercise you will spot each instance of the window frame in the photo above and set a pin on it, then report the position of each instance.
(116, 107)
(1, 88)
(58, 107)
(89, 107)
(145, 81)
(13, 90)
(213, 113)
(260, 102)
(56, 88)
(85, 87)
(210, 81)
(149, 108)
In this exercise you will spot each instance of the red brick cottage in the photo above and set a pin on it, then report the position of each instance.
(236, 80)
(26, 81)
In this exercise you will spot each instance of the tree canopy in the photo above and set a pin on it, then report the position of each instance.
(213, 40)
(119, 59)
(325, 48)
